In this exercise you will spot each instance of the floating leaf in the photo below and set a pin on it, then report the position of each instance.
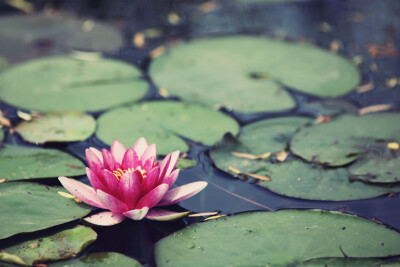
(162, 122)
(243, 73)
(63, 245)
(278, 238)
(64, 83)
(28, 207)
(3, 63)
(185, 163)
(259, 138)
(376, 169)
(346, 262)
(66, 126)
(344, 139)
(307, 181)
(41, 34)
(99, 259)
(18, 163)
(296, 178)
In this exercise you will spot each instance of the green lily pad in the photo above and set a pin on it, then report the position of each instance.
(346, 138)
(98, 260)
(3, 63)
(43, 34)
(63, 245)
(376, 169)
(243, 73)
(1, 134)
(64, 83)
(19, 163)
(308, 181)
(278, 238)
(272, 135)
(162, 122)
(346, 262)
(24, 207)
(295, 178)
(66, 126)
(184, 163)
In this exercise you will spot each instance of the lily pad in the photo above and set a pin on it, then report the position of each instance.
(277, 238)
(376, 169)
(64, 83)
(256, 139)
(243, 73)
(346, 262)
(308, 181)
(42, 34)
(163, 122)
(24, 207)
(67, 126)
(99, 259)
(295, 178)
(184, 163)
(63, 245)
(19, 163)
(3, 63)
(346, 138)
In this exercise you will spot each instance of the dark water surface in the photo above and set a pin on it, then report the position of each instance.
(354, 24)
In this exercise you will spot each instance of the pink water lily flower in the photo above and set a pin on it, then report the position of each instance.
(130, 183)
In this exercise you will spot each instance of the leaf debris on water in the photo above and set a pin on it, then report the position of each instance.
(365, 87)
(157, 52)
(214, 217)
(173, 18)
(374, 108)
(24, 115)
(64, 194)
(234, 170)
(260, 177)
(207, 7)
(392, 82)
(393, 146)
(139, 40)
(203, 214)
(322, 119)
(281, 156)
(251, 156)
(163, 92)
(23, 5)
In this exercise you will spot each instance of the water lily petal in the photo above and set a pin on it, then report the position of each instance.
(94, 162)
(105, 218)
(136, 214)
(95, 181)
(110, 181)
(149, 164)
(165, 215)
(97, 153)
(151, 180)
(150, 152)
(118, 150)
(130, 160)
(169, 163)
(109, 161)
(153, 197)
(140, 146)
(111, 203)
(81, 191)
(130, 188)
(181, 193)
(170, 179)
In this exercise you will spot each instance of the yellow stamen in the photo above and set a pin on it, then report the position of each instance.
(120, 172)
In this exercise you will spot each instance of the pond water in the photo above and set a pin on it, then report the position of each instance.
(366, 32)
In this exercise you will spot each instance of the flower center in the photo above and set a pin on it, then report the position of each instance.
(119, 172)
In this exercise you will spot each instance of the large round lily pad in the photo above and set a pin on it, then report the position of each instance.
(57, 127)
(295, 178)
(281, 238)
(64, 83)
(28, 36)
(163, 123)
(99, 259)
(28, 207)
(18, 163)
(243, 73)
(346, 138)
(63, 245)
